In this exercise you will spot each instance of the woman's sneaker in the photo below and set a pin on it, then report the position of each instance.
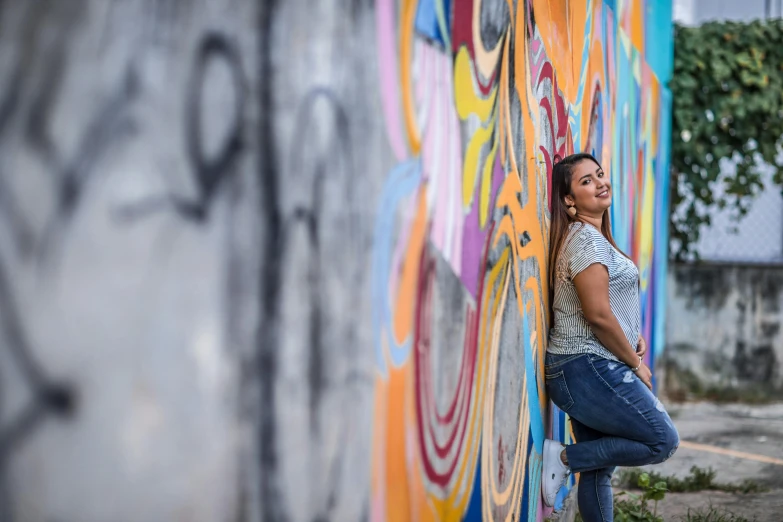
(555, 472)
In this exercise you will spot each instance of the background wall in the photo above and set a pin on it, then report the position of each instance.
(724, 332)
(723, 311)
(756, 238)
(285, 260)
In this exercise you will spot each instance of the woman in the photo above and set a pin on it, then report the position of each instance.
(594, 368)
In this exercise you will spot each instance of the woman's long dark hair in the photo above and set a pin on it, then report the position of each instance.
(561, 219)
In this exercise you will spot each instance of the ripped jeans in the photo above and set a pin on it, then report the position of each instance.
(617, 421)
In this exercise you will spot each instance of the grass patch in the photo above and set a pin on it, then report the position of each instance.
(700, 479)
(714, 515)
(643, 507)
(626, 510)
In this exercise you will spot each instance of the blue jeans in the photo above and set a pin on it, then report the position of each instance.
(617, 421)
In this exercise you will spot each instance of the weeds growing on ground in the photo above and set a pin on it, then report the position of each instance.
(632, 507)
(700, 479)
(714, 515)
(629, 507)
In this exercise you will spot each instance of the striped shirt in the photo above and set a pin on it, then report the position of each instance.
(571, 334)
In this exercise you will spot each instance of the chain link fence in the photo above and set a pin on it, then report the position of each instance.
(755, 238)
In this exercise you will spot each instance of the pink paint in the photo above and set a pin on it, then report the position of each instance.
(456, 421)
(647, 326)
(455, 202)
(537, 58)
(441, 153)
(378, 506)
(472, 240)
(543, 511)
(419, 56)
(390, 83)
(474, 237)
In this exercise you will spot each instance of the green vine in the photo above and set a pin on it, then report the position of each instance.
(727, 92)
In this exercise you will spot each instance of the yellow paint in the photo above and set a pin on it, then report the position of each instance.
(486, 184)
(731, 453)
(472, 161)
(477, 160)
(466, 99)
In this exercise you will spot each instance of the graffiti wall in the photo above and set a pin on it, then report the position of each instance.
(478, 97)
(284, 260)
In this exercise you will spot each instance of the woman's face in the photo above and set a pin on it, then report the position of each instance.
(590, 189)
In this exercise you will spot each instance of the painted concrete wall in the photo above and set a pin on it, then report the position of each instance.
(460, 411)
(285, 260)
(724, 329)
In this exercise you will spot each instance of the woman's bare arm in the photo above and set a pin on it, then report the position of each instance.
(592, 287)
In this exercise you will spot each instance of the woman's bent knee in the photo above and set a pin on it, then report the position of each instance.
(666, 445)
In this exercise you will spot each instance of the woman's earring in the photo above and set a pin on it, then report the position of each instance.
(572, 211)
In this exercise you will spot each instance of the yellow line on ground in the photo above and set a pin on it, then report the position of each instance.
(731, 453)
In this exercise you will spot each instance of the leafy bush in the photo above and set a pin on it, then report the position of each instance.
(727, 95)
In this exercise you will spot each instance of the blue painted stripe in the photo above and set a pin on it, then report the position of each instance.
(401, 183)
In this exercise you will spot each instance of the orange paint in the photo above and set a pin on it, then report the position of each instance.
(511, 226)
(398, 506)
(562, 24)
(380, 409)
(406, 62)
(637, 25)
(422, 509)
(577, 20)
(409, 280)
(654, 99)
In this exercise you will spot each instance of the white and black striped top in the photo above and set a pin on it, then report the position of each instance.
(571, 334)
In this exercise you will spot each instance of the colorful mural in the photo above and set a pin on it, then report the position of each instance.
(478, 97)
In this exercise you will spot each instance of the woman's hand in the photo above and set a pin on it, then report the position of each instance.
(641, 346)
(645, 375)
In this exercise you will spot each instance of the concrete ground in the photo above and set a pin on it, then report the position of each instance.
(739, 442)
